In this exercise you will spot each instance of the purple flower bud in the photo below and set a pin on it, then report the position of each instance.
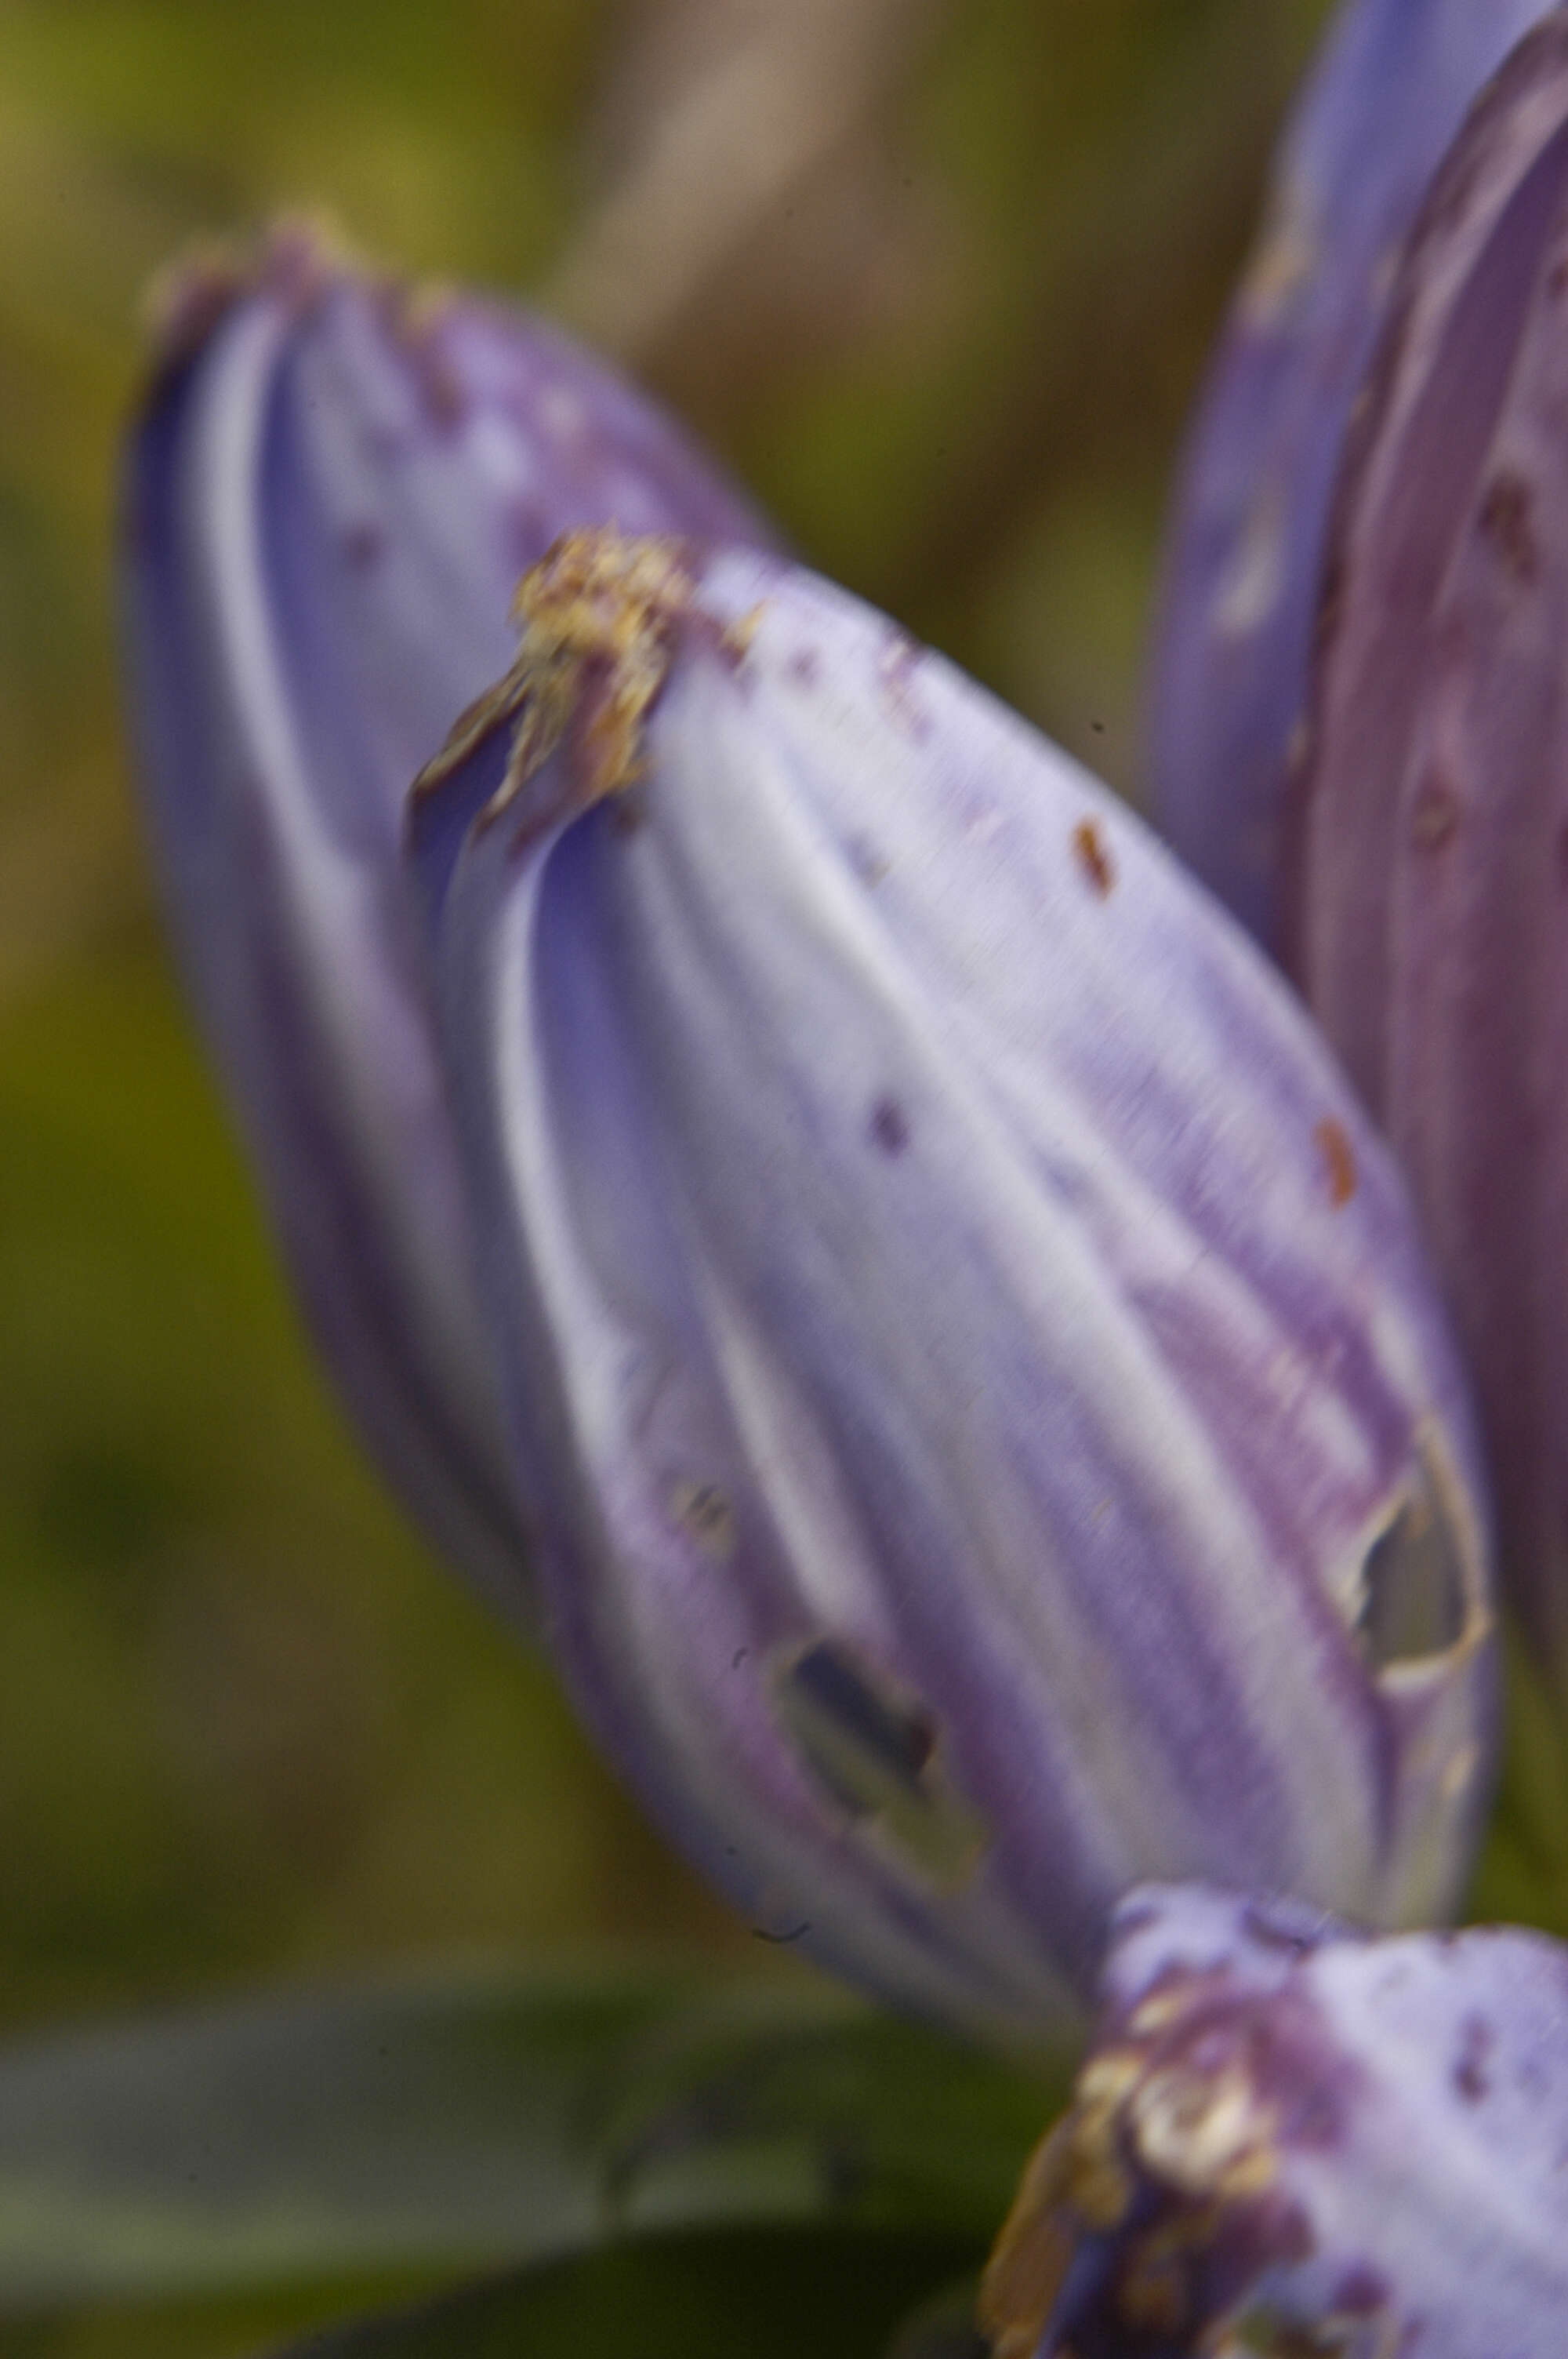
(1319, 2142)
(331, 490)
(1425, 889)
(992, 1435)
(1233, 641)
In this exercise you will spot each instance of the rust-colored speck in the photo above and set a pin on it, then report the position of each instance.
(1093, 857)
(1506, 520)
(1338, 1159)
(1434, 816)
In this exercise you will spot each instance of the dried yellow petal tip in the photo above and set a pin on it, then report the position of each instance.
(294, 258)
(597, 616)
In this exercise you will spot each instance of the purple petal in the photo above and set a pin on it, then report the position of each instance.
(990, 1427)
(328, 496)
(1425, 894)
(1319, 2141)
(1247, 538)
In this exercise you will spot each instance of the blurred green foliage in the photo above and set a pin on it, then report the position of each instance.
(248, 1729)
(481, 2122)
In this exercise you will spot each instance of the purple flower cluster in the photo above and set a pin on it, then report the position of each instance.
(827, 1223)
(1315, 2142)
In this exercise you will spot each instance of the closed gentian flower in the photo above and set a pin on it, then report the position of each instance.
(1234, 635)
(991, 1432)
(1427, 862)
(1312, 2141)
(332, 487)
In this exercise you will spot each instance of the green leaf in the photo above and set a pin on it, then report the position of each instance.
(823, 2295)
(482, 2124)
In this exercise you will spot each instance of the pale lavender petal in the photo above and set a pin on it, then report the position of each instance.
(993, 1437)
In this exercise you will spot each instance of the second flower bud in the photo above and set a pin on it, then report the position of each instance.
(992, 1435)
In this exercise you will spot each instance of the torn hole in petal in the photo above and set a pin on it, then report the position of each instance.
(1417, 1592)
(874, 1747)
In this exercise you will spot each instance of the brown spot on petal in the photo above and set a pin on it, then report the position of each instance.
(1434, 817)
(1332, 1142)
(1471, 2077)
(363, 544)
(1507, 522)
(1093, 857)
(890, 1126)
(870, 865)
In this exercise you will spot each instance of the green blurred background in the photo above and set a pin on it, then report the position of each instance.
(938, 280)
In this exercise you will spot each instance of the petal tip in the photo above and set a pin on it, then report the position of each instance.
(598, 618)
(292, 260)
